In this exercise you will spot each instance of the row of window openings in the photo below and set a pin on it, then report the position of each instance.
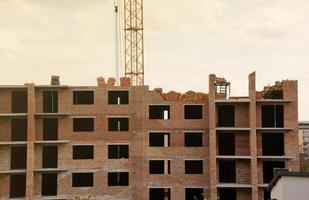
(19, 99)
(87, 152)
(271, 116)
(50, 127)
(87, 124)
(49, 185)
(272, 144)
(50, 103)
(50, 158)
(50, 130)
(49, 182)
(50, 99)
(227, 174)
(50, 154)
(19, 157)
(226, 141)
(87, 97)
(227, 170)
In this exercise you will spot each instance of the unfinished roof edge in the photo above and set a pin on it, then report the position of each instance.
(219, 85)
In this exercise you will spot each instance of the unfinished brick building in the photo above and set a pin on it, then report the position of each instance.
(123, 142)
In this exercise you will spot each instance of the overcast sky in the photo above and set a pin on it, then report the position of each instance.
(185, 40)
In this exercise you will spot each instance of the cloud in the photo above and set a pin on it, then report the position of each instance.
(75, 39)
(69, 4)
(9, 41)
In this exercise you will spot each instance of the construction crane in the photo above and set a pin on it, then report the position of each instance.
(133, 40)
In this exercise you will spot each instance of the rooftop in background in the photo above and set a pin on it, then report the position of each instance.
(282, 173)
(303, 124)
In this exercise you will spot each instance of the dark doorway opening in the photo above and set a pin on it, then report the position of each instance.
(158, 167)
(159, 194)
(19, 129)
(83, 152)
(50, 157)
(194, 167)
(49, 184)
(118, 179)
(50, 101)
(226, 143)
(227, 171)
(227, 194)
(226, 116)
(269, 167)
(18, 157)
(159, 139)
(118, 151)
(83, 124)
(83, 97)
(17, 185)
(50, 129)
(193, 112)
(118, 97)
(273, 144)
(194, 194)
(82, 180)
(273, 116)
(194, 139)
(118, 124)
(267, 195)
(19, 101)
(159, 112)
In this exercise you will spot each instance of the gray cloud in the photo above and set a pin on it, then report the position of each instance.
(75, 39)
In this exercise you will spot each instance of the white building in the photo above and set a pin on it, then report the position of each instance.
(289, 186)
(303, 127)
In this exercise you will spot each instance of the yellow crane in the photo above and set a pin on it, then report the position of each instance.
(133, 40)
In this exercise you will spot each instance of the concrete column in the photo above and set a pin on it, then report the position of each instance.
(165, 140)
(137, 145)
(291, 139)
(30, 144)
(166, 166)
(253, 140)
(212, 138)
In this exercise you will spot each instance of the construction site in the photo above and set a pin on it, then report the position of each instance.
(119, 140)
(126, 142)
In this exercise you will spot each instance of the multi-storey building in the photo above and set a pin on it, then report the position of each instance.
(126, 142)
(303, 127)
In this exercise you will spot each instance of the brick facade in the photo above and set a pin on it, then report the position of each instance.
(247, 131)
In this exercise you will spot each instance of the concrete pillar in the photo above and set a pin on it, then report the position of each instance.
(212, 138)
(253, 140)
(166, 166)
(137, 154)
(166, 141)
(291, 139)
(30, 142)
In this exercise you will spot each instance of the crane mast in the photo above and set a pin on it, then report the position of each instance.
(134, 41)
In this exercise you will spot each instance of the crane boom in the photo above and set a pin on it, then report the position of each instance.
(134, 41)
